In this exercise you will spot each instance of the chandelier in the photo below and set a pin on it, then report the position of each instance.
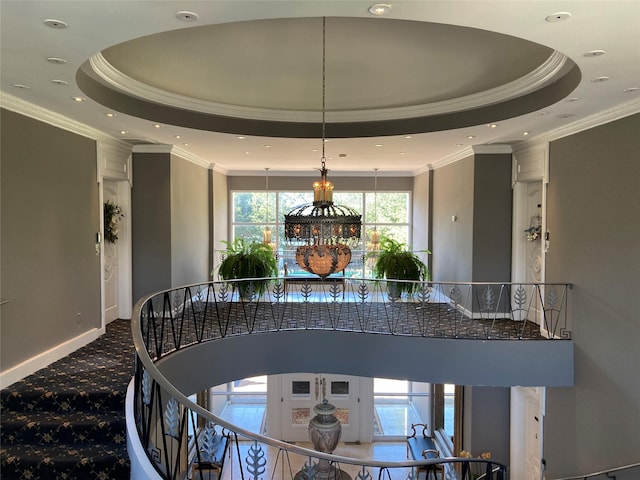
(323, 231)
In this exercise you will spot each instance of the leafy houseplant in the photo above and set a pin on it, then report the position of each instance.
(394, 261)
(244, 259)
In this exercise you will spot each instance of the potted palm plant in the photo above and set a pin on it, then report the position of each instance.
(248, 259)
(394, 261)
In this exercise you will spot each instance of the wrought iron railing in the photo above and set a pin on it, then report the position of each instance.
(179, 436)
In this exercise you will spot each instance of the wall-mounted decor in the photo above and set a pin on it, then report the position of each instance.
(535, 228)
(112, 215)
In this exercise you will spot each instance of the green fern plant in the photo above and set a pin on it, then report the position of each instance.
(245, 259)
(394, 261)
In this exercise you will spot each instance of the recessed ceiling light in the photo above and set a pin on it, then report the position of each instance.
(459, 144)
(403, 153)
(558, 17)
(379, 9)
(314, 149)
(186, 144)
(56, 60)
(53, 23)
(123, 132)
(78, 99)
(21, 85)
(241, 137)
(492, 125)
(267, 146)
(593, 53)
(471, 136)
(55, 81)
(573, 99)
(178, 136)
(631, 89)
(156, 125)
(603, 78)
(407, 137)
(110, 114)
(186, 16)
(525, 133)
(378, 145)
(246, 153)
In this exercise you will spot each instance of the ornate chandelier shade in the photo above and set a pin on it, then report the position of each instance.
(323, 231)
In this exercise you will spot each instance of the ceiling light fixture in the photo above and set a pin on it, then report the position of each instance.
(55, 81)
(379, 9)
(53, 23)
(22, 86)
(594, 53)
(78, 99)
(322, 231)
(602, 78)
(56, 60)
(186, 16)
(558, 17)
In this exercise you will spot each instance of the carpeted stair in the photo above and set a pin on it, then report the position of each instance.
(67, 421)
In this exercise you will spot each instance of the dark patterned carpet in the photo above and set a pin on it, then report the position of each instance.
(67, 421)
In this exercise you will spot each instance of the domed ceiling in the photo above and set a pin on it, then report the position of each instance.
(265, 77)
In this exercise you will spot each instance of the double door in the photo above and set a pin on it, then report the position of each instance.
(300, 392)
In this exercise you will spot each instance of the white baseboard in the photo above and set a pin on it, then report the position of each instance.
(44, 359)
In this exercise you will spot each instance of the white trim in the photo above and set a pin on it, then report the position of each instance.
(534, 80)
(609, 115)
(36, 112)
(493, 148)
(443, 162)
(141, 468)
(46, 358)
(177, 151)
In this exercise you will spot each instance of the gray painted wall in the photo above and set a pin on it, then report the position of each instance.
(421, 211)
(452, 248)
(189, 222)
(151, 223)
(487, 422)
(50, 273)
(492, 198)
(170, 216)
(594, 223)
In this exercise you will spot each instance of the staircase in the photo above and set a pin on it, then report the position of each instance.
(67, 421)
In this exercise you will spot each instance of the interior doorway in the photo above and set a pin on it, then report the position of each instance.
(116, 262)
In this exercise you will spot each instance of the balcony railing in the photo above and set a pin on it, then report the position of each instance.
(176, 433)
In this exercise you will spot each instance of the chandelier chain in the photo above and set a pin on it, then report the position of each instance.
(324, 73)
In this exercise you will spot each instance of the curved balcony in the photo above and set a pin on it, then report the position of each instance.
(468, 333)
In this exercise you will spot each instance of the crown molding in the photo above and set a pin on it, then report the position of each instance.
(493, 148)
(534, 80)
(605, 116)
(177, 151)
(443, 162)
(31, 110)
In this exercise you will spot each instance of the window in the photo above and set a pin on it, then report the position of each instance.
(388, 212)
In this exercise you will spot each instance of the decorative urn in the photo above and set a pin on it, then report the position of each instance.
(324, 432)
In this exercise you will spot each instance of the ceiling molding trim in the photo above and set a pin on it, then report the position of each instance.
(177, 151)
(36, 112)
(155, 148)
(443, 162)
(609, 115)
(531, 82)
(494, 148)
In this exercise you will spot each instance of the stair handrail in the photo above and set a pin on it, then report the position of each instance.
(602, 472)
